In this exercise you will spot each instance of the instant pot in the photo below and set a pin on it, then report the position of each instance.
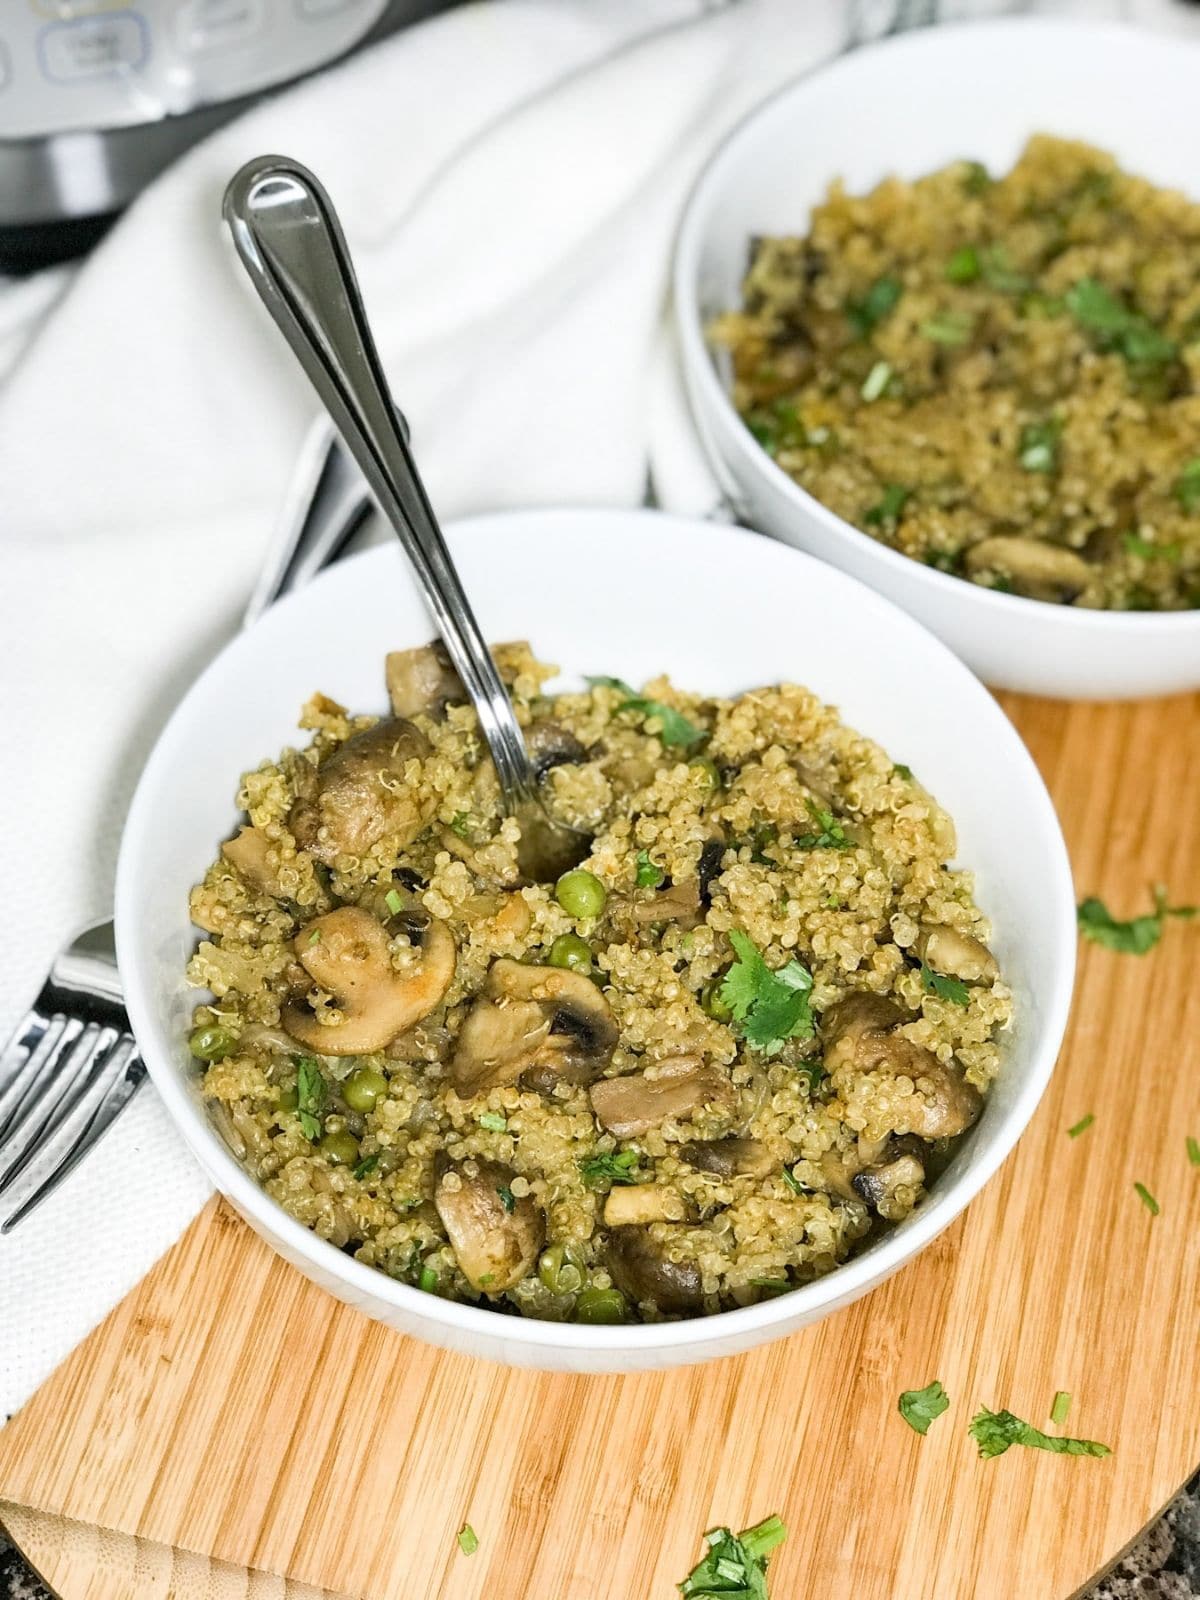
(97, 96)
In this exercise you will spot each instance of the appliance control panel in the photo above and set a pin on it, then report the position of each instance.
(75, 65)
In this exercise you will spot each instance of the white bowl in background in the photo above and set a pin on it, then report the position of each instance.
(632, 594)
(909, 106)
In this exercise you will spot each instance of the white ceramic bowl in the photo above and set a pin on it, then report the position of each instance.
(910, 106)
(628, 593)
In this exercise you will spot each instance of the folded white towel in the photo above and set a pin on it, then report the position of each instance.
(509, 177)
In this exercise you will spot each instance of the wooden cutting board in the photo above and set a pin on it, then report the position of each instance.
(230, 1409)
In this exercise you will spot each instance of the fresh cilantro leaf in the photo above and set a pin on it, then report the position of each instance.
(675, 729)
(1137, 546)
(468, 1539)
(1137, 935)
(976, 177)
(920, 1407)
(734, 1567)
(1061, 1408)
(879, 301)
(902, 771)
(507, 1198)
(887, 510)
(1187, 486)
(606, 1167)
(460, 824)
(649, 873)
(963, 265)
(771, 1007)
(830, 834)
(367, 1165)
(1000, 274)
(996, 1431)
(952, 989)
(311, 1094)
(1115, 326)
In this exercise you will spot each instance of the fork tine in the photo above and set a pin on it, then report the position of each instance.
(122, 1073)
(60, 1086)
(26, 1037)
(26, 1081)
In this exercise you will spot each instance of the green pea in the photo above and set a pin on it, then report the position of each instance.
(363, 1088)
(211, 1042)
(339, 1149)
(711, 1001)
(600, 1305)
(709, 770)
(428, 1280)
(580, 893)
(561, 1269)
(288, 1099)
(570, 951)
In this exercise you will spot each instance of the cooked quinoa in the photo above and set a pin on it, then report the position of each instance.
(995, 376)
(706, 1066)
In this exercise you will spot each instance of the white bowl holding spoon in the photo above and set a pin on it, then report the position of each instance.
(743, 611)
(910, 106)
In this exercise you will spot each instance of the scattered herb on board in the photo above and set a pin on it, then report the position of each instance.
(310, 1096)
(607, 1167)
(952, 989)
(830, 834)
(1147, 1199)
(1115, 327)
(920, 1407)
(1061, 1408)
(675, 728)
(649, 873)
(1081, 1126)
(996, 1431)
(866, 314)
(735, 1565)
(1187, 486)
(771, 1007)
(886, 511)
(468, 1539)
(1193, 1150)
(1139, 934)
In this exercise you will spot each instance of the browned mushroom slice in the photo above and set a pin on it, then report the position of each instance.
(551, 745)
(422, 680)
(678, 903)
(496, 1236)
(636, 1203)
(360, 794)
(679, 1086)
(729, 1158)
(347, 952)
(1035, 569)
(956, 954)
(891, 1188)
(643, 1268)
(543, 1025)
(860, 1033)
(247, 851)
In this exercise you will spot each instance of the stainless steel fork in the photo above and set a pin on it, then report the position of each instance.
(72, 1065)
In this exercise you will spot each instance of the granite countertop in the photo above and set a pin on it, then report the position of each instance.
(1163, 1565)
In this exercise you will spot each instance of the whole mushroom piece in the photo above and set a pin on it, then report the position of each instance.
(643, 1268)
(359, 794)
(496, 1235)
(632, 1104)
(958, 955)
(348, 953)
(538, 1025)
(1035, 569)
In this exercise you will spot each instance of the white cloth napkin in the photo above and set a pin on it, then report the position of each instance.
(509, 177)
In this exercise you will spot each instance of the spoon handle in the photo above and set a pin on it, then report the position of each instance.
(288, 237)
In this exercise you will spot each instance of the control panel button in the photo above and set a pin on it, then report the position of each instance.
(93, 47)
(201, 26)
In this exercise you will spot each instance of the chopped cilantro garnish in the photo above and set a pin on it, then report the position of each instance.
(394, 901)
(920, 1407)
(493, 1121)
(1116, 327)
(310, 1095)
(999, 272)
(649, 873)
(507, 1198)
(1081, 1126)
(976, 177)
(949, 327)
(792, 1181)
(1137, 546)
(367, 1165)
(876, 381)
(963, 265)
(880, 300)
(1038, 449)
(315, 936)
(1137, 935)
(952, 989)
(771, 1007)
(606, 1167)
(888, 508)
(468, 1539)
(995, 1431)
(776, 1284)
(1187, 486)
(1193, 1150)
(1061, 1408)
(460, 824)
(1147, 1199)
(735, 1566)
(675, 728)
(830, 834)
(901, 771)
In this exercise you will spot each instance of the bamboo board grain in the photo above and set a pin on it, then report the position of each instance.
(229, 1408)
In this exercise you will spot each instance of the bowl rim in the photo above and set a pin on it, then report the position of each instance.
(780, 1313)
(695, 226)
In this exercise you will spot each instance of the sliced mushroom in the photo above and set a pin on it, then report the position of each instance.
(542, 1025)
(636, 1203)
(642, 1268)
(1037, 570)
(422, 680)
(360, 794)
(711, 857)
(247, 851)
(347, 952)
(551, 745)
(678, 903)
(859, 1033)
(631, 1104)
(891, 1188)
(957, 954)
(496, 1236)
(729, 1158)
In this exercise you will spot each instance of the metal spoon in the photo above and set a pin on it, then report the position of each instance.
(289, 240)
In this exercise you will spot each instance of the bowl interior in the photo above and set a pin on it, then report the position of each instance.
(631, 594)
